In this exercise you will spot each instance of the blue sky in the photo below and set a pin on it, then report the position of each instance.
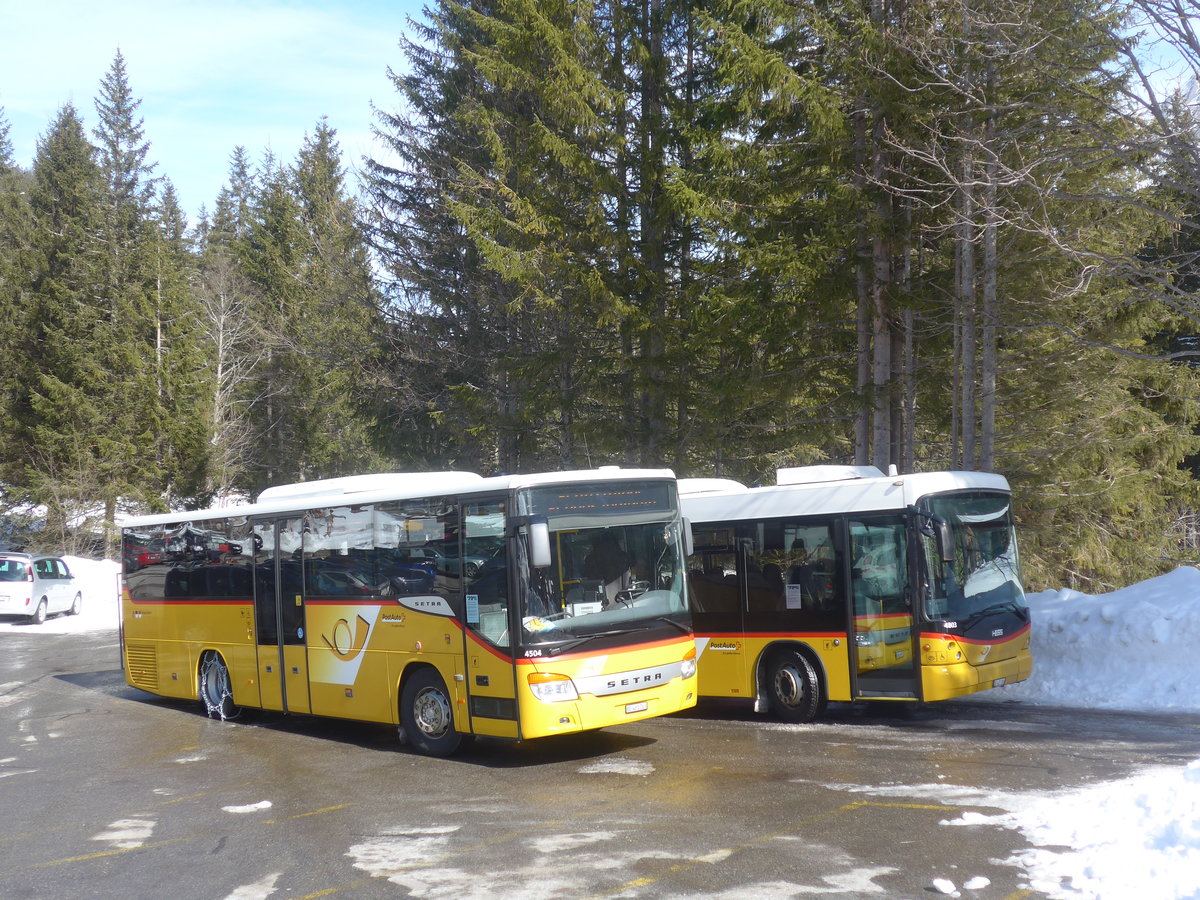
(211, 75)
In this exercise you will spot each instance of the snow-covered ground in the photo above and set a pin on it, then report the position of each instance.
(1135, 649)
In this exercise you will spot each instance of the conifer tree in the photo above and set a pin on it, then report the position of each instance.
(60, 417)
(179, 368)
(137, 307)
(305, 257)
(446, 304)
(15, 264)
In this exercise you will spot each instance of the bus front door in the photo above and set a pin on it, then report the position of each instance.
(484, 570)
(884, 659)
(279, 616)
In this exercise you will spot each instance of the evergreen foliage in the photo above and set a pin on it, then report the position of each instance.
(722, 238)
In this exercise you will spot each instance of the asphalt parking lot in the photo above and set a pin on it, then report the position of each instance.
(110, 792)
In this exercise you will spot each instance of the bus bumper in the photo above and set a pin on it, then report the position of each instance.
(942, 682)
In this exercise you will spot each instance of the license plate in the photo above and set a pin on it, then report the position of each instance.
(637, 707)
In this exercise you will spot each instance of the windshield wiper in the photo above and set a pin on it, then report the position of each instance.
(685, 629)
(572, 643)
(1006, 606)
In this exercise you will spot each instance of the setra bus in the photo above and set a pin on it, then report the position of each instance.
(444, 603)
(842, 583)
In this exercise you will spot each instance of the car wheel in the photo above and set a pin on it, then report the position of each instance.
(793, 687)
(76, 605)
(472, 569)
(427, 714)
(216, 693)
(39, 614)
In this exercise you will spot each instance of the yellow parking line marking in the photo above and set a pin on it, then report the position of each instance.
(305, 815)
(101, 854)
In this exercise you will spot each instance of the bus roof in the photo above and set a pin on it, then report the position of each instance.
(379, 488)
(722, 500)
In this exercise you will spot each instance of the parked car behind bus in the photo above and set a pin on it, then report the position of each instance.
(36, 587)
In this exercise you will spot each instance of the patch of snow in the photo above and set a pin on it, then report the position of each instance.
(249, 807)
(125, 834)
(617, 767)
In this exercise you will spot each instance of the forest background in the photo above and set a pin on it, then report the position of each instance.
(717, 236)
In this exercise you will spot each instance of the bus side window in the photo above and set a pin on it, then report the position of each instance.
(792, 577)
(712, 581)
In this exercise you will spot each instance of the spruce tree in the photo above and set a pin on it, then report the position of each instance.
(15, 265)
(61, 415)
(132, 266)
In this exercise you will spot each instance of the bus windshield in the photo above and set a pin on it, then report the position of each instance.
(616, 564)
(985, 575)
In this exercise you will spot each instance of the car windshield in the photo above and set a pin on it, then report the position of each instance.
(14, 570)
(985, 574)
(616, 568)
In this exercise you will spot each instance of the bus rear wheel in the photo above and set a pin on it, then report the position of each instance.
(427, 714)
(216, 693)
(793, 687)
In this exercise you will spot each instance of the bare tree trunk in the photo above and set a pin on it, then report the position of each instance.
(654, 222)
(987, 450)
(881, 338)
(862, 424)
(862, 418)
(966, 306)
(902, 344)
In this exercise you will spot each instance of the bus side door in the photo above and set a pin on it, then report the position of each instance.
(279, 615)
(490, 670)
(884, 662)
(715, 594)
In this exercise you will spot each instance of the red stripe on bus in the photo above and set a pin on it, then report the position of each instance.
(192, 601)
(585, 654)
(1003, 639)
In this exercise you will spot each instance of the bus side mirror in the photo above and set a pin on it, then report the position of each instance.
(539, 542)
(689, 544)
(945, 539)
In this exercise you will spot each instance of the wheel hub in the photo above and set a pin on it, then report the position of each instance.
(431, 710)
(788, 686)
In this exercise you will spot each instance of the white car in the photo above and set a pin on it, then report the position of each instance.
(36, 587)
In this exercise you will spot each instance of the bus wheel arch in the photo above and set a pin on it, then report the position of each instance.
(427, 713)
(791, 681)
(215, 688)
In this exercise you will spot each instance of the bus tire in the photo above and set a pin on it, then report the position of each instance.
(794, 689)
(216, 693)
(427, 714)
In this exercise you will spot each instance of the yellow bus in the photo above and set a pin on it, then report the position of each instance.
(841, 583)
(446, 604)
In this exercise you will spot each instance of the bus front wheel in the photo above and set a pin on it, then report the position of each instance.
(427, 714)
(216, 693)
(793, 687)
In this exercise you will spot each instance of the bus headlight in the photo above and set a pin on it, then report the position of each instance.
(551, 688)
(688, 668)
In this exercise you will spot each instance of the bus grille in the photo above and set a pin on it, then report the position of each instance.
(141, 661)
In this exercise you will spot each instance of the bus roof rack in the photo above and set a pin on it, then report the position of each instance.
(818, 474)
(357, 484)
(708, 485)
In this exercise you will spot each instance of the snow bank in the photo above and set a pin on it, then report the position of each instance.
(1132, 649)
